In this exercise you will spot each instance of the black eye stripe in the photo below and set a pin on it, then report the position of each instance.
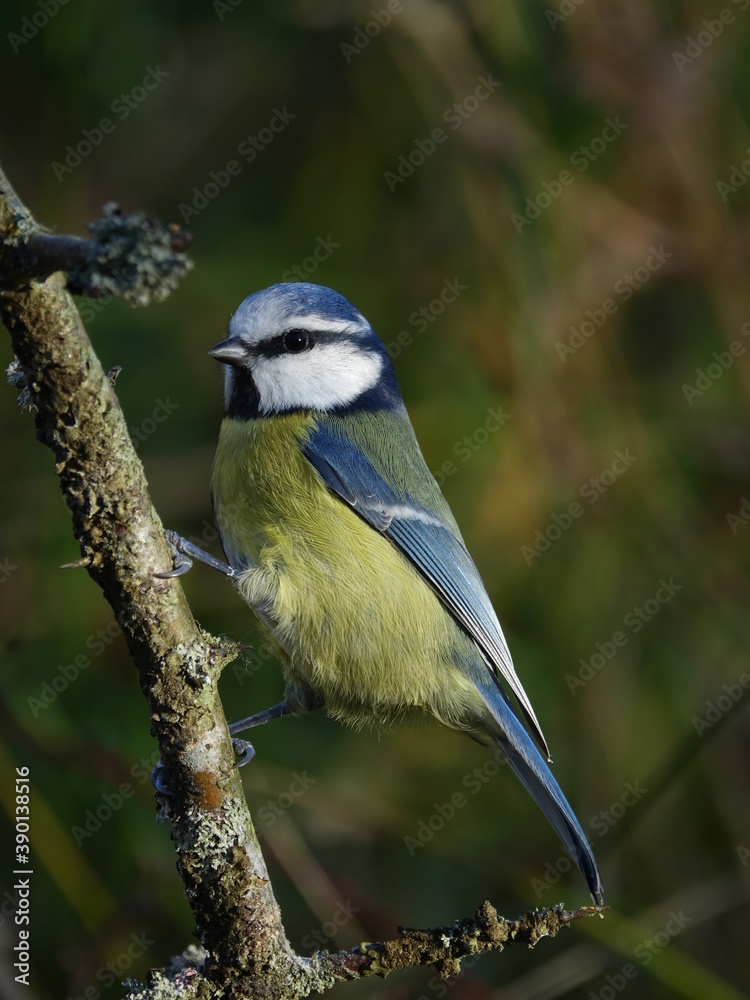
(289, 342)
(277, 345)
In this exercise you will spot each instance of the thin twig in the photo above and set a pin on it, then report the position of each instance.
(129, 255)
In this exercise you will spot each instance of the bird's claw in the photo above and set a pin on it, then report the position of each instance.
(180, 562)
(157, 779)
(245, 752)
(183, 554)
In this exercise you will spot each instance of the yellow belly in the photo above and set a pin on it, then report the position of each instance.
(358, 625)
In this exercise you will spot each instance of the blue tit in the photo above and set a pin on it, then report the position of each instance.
(340, 540)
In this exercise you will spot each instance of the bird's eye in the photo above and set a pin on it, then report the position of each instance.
(296, 341)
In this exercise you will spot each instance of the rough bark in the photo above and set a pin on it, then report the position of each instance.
(78, 416)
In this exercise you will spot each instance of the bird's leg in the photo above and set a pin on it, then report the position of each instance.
(244, 750)
(183, 553)
(260, 718)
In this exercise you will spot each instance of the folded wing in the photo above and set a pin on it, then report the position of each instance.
(428, 538)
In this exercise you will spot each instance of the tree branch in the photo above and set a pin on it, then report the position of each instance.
(445, 947)
(130, 255)
(122, 544)
(442, 947)
(121, 540)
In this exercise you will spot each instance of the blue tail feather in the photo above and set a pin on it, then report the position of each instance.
(530, 767)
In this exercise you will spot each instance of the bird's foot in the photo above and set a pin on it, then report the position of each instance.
(245, 752)
(157, 779)
(183, 553)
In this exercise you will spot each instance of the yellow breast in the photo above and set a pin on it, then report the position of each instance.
(357, 622)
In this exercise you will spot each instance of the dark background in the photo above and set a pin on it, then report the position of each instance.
(643, 245)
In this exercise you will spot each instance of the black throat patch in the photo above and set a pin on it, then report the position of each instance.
(244, 398)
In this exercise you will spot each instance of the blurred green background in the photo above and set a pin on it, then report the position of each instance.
(584, 204)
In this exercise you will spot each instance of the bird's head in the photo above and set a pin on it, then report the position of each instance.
(298, 346)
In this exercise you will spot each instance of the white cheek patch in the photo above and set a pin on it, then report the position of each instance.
(327, 376)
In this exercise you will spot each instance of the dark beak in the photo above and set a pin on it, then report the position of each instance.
(230, 352)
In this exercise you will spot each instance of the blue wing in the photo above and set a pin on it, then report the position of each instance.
(398, 496)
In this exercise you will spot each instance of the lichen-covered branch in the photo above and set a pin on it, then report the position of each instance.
(445, 947)
(121, 540)
(129, 255)
(442, 947)
(122, 545)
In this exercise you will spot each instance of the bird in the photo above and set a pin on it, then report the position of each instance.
(338, 537)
